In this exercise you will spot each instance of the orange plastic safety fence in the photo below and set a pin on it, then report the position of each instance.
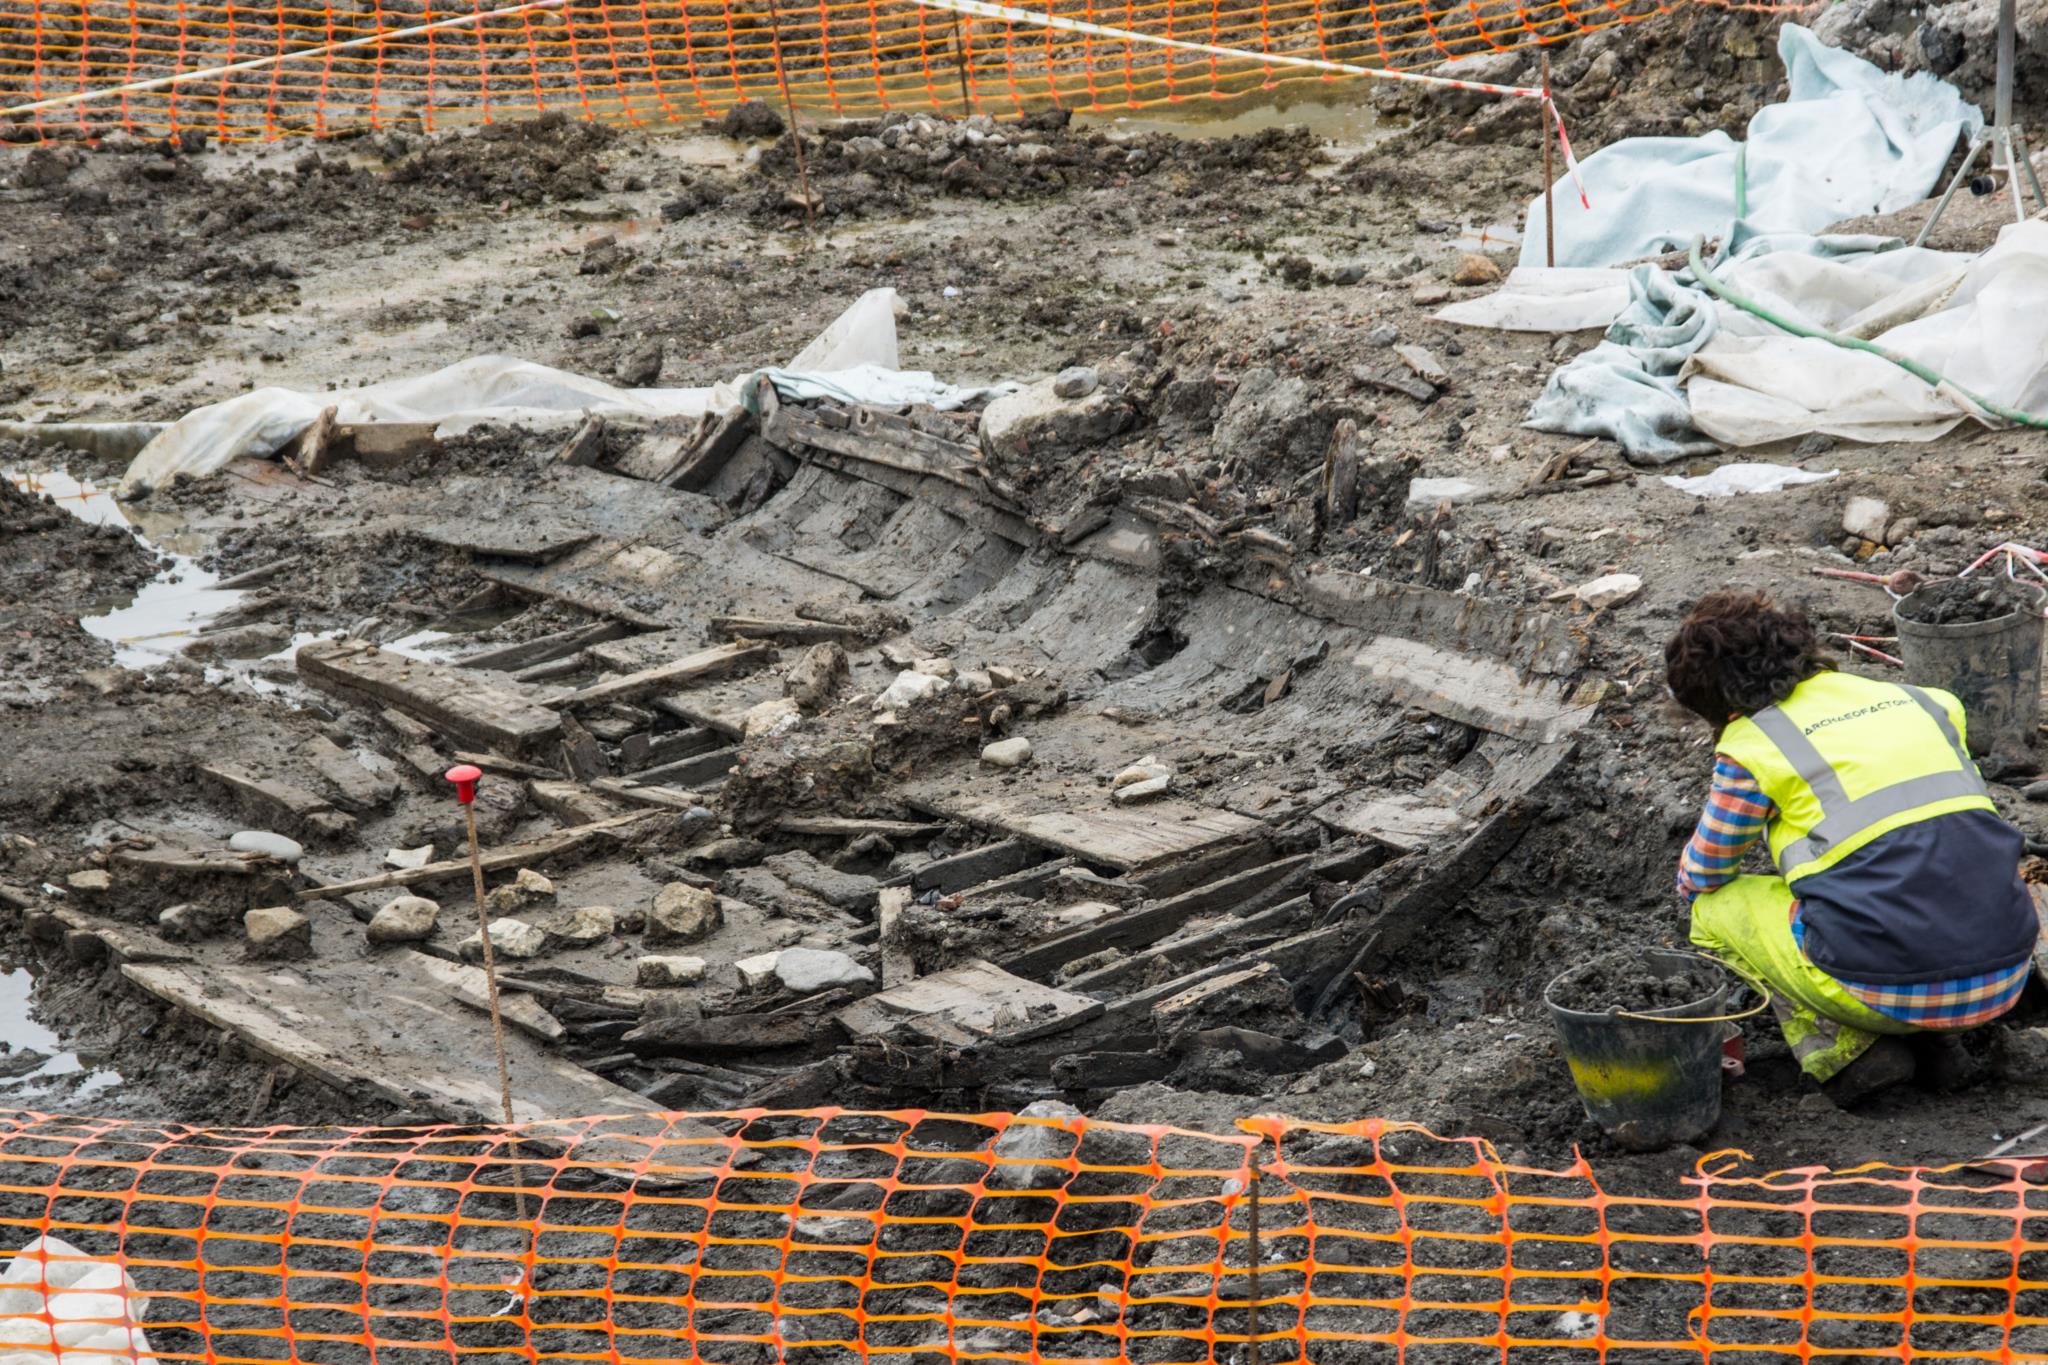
(913, 1238)
(650, 61)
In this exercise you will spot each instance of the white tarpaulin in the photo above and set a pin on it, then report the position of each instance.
(1982, 324)
(1848, 140)
(854, 359)
(59, 1306)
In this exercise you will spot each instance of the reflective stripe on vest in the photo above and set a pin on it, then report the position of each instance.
(1843, 819)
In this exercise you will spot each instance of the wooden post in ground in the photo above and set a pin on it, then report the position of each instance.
(796, 132)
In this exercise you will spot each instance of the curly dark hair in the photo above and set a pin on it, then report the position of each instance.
(1737, 653)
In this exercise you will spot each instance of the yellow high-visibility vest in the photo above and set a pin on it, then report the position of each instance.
(1846, 759)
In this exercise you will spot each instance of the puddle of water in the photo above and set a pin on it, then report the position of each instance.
(32, 1057)
(166, 611)
(1491, 237)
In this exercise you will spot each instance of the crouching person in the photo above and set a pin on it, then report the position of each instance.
(1898, 908)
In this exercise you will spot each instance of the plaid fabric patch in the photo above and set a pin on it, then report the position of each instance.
(1736, 815)
(1966, 1003)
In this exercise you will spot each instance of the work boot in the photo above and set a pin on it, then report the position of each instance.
(1884, 1064)
(1940, 1063)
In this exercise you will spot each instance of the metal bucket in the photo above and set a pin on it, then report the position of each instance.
(1649, 1077)
(1993, 667)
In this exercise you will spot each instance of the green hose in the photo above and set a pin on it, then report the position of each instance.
(1800, 329)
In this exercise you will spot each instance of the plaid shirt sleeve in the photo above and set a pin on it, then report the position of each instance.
(1736, 815)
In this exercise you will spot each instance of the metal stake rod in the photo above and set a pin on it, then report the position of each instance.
(465, 777)
(796, 131)
(1549, 177)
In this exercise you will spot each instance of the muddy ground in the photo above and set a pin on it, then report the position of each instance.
(1245, 290)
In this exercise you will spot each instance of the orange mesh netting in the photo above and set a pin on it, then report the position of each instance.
(844, 1237)
(645, 61)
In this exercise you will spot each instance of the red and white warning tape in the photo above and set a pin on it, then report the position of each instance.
(1010, 14)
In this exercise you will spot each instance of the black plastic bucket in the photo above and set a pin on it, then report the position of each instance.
(1993, 667)
(1650, 1077)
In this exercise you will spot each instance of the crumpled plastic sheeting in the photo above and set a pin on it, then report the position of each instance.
(60, 1307)
(853, 359)
(1848, 140)
(1981, 323)
(1731, 480)
(1628, 388)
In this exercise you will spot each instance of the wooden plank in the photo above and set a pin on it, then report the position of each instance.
(474, 709)
(852, 827)
(511, 767)
(1408, 821)
(962, 870)
(1484, 692)
(1126, 837)
(644, 793)
(544, 649)
(705, 663)
(356, 788)
(586, 445)
(534, 851)
(1234, 934)
(977, 997)
(697, 461)
(794, 632)
(469, 986)
(571, 802)
(280, 801)
(1246, 893)
(694, 771)
(1290, 955)
(415, 1050)
(1531, 639)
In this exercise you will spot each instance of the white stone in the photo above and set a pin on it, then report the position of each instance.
(805, 970)
(404, 919)
(670, 971)
(1146, 769)
(1142, 791)
(771, 718)
(513, 938)
(1033, 1142)
(1424, 494)
(973, 682)
(1000, 675)
(585, 925)
(910, 687)
(90, 881)
(1866, 518)
(406, 859)
(1608, 590)
(533, 888)
(938, 668)
(683, 913)
(757, 970)
(269, 845)
(1007, 753)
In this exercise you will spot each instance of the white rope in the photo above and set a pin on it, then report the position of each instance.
(259, 63)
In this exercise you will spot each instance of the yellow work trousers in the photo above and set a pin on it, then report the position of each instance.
(1748, 923)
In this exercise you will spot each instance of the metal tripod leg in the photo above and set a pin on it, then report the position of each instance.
(1962, 176)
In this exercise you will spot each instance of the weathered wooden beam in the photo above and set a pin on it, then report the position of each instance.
(705, 663)
(852, 827)
(472, 709)
(555, 845)
(545, 648)
(795, 632)
(1245, 893)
